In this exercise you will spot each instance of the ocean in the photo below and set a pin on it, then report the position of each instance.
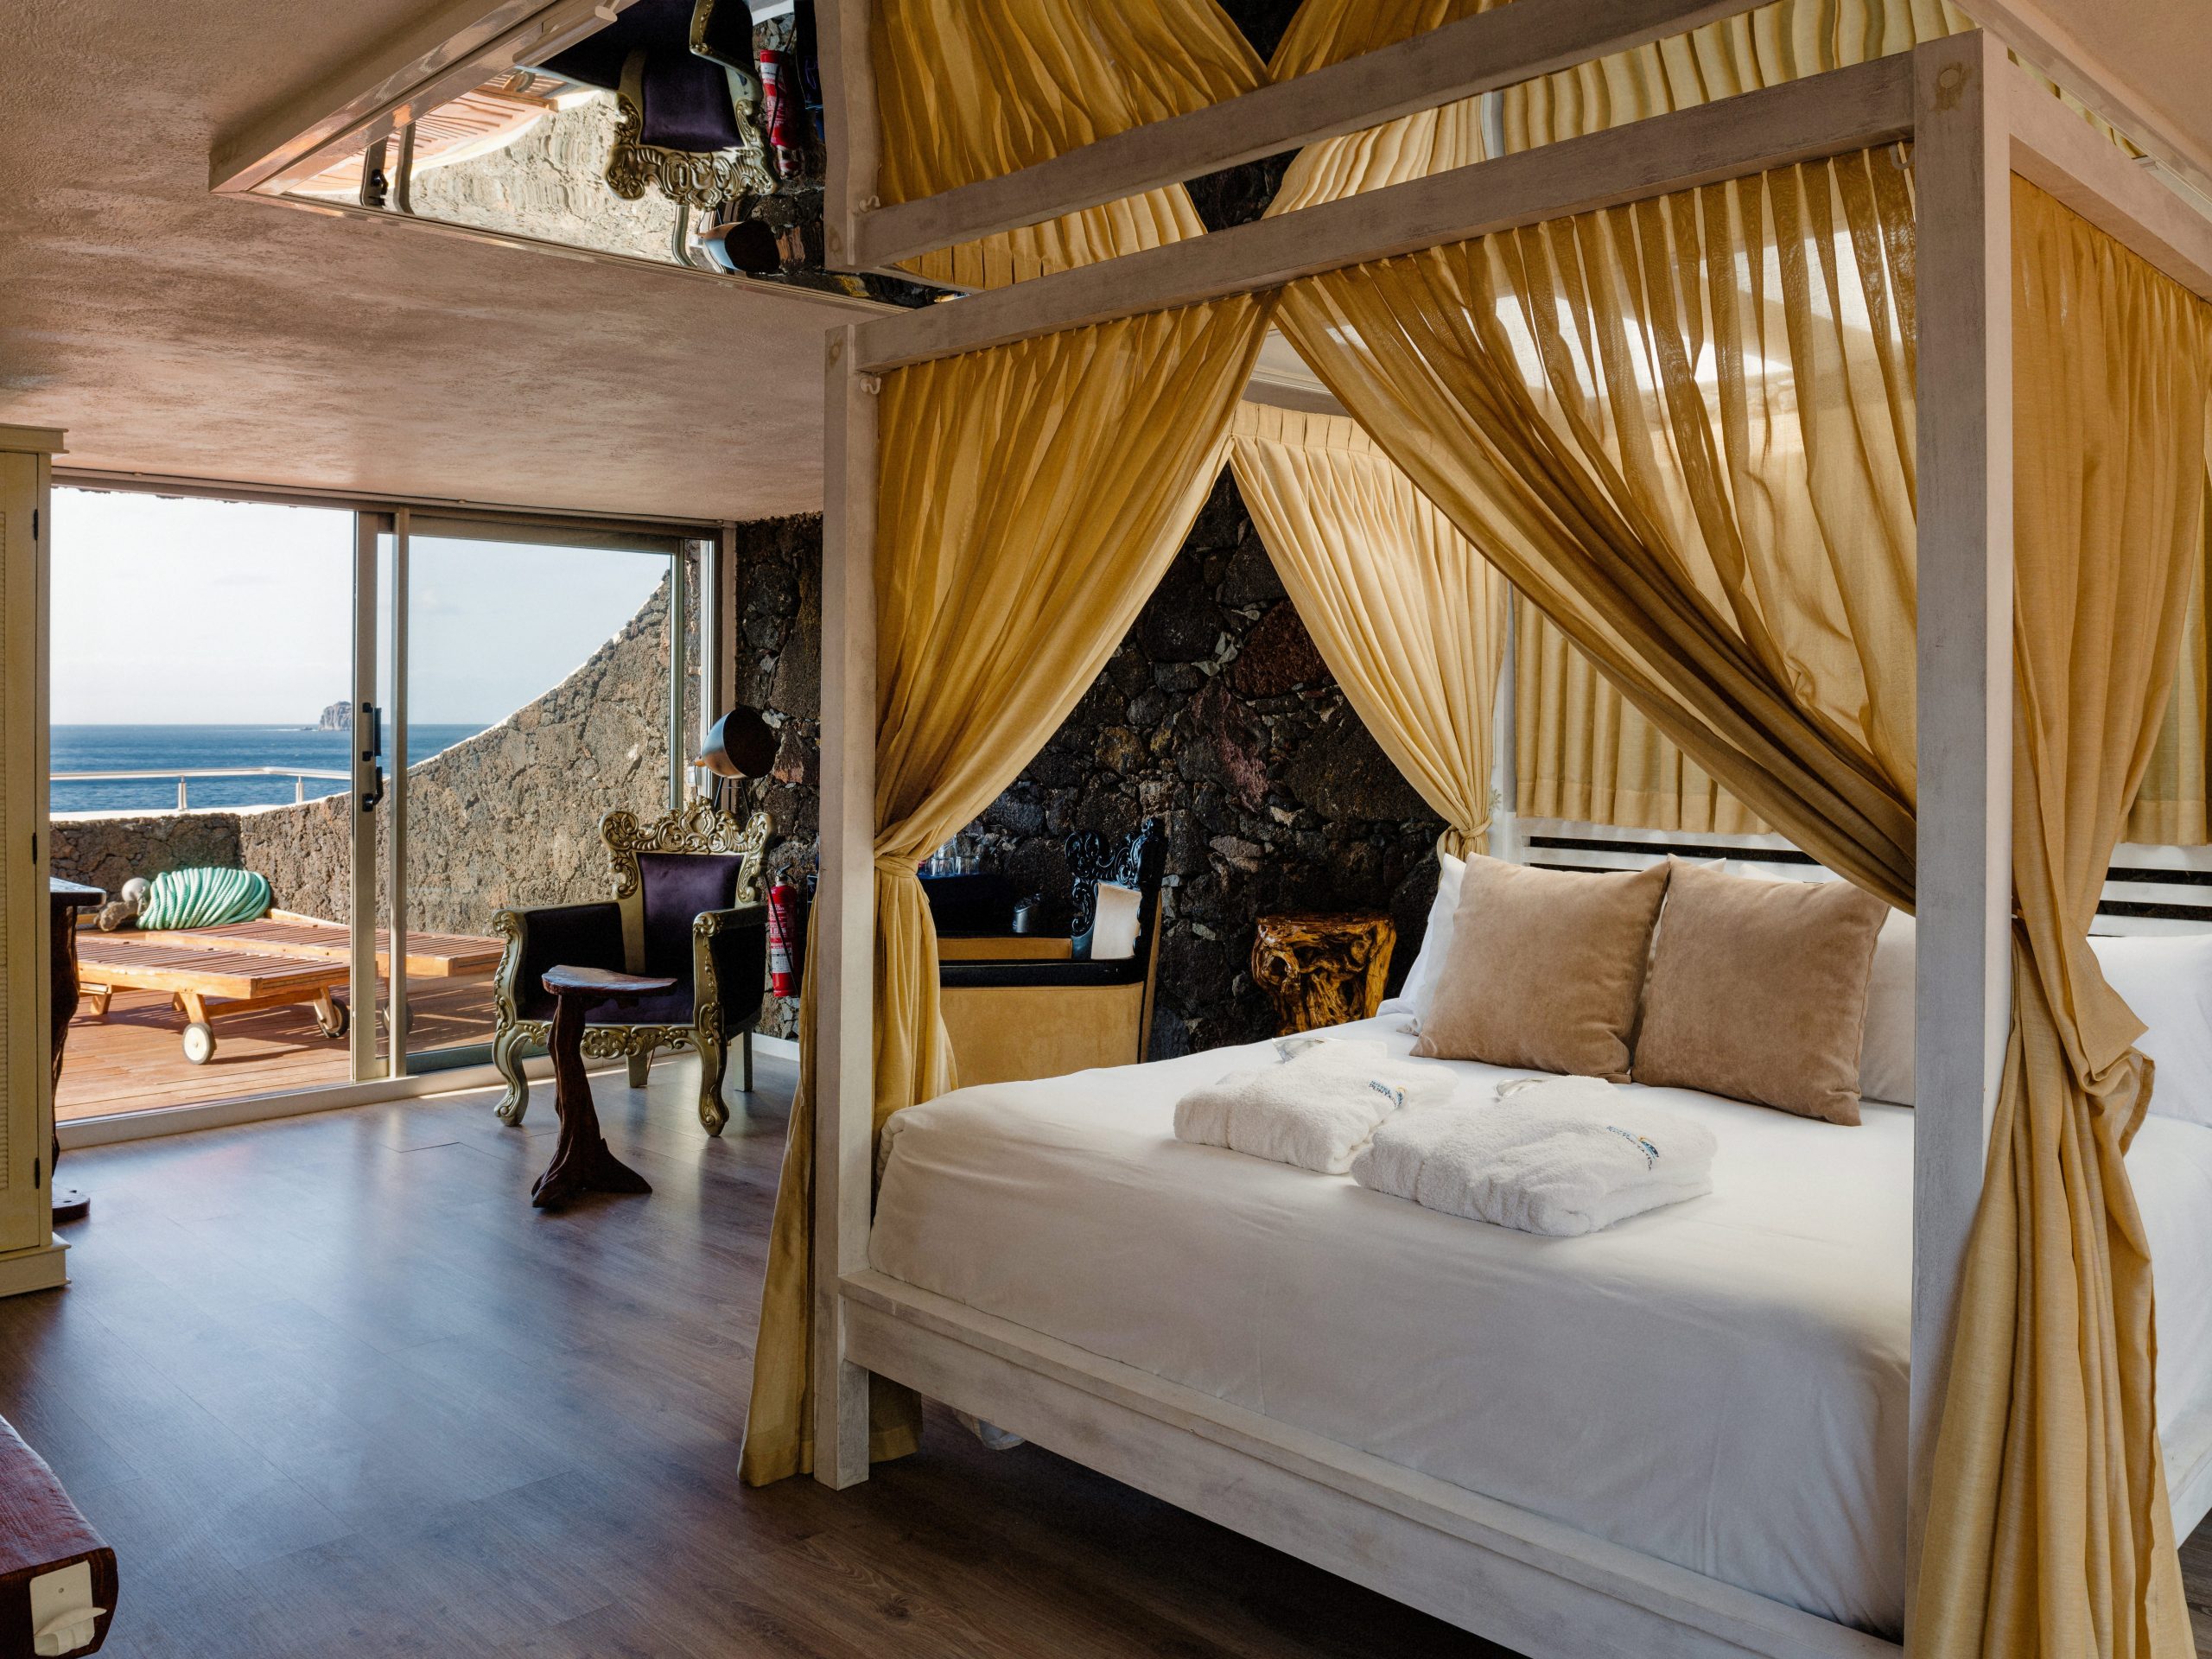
(141, 748)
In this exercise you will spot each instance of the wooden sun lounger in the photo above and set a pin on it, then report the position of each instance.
(284, 933)
(282, 958)
(194, 974)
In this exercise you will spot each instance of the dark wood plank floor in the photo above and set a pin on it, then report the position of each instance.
(332, 1388)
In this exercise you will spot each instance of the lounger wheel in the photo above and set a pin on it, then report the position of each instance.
(199, 1042)
(341, 1020)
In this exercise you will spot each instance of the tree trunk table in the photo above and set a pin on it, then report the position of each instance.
(581, 1162)
(1322, 970)
(67, 897)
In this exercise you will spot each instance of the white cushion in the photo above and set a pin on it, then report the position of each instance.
(1114, 938)
(1420, 988)
(2167, 980)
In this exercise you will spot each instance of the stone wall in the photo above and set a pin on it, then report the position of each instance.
(509, 817)
(1216, 715)
(778, 571)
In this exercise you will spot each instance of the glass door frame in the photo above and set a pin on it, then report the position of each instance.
(383, 544)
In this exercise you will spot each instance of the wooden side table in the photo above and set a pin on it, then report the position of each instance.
(67, 897)
(1322, 970)
(581, 1162)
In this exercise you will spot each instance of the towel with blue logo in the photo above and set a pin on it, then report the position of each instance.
(1554, 1155)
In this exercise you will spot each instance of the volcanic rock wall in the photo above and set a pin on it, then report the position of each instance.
(1215, 715)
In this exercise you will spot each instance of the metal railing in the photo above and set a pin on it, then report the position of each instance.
(299, 775)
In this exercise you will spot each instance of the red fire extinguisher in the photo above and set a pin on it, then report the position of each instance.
(783, 930)
(784, 109)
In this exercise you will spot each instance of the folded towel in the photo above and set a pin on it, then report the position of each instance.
(1314, 1110)
(1559, 1155)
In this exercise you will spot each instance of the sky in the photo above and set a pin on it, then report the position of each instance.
(189, 612)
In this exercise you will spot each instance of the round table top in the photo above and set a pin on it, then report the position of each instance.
(599, 981)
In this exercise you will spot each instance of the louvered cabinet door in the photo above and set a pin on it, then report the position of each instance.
(28, 1257)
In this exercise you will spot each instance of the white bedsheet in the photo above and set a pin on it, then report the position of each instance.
(1720, 1384)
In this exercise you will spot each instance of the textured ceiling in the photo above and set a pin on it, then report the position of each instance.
(172, 332)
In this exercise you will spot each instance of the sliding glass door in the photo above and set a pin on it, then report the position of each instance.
(532, 678)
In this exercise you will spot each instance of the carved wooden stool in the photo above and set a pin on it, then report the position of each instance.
(1322, 970)
(581, 1162)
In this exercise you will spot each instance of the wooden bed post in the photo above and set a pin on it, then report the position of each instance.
(845, 916)
(1962, 173)
(849, 126)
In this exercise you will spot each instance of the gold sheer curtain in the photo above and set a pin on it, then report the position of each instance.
(1408, 617)
(969, 92)
(1684, 429)
(1029, 499)
(2049, 1529)
(1764, 47)
(1582, 751)
(2169, 809)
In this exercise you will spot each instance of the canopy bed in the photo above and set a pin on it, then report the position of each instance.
(1852, 428)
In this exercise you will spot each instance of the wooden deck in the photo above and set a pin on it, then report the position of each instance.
(133, 1061)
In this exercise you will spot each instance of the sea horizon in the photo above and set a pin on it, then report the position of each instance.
(129, 746)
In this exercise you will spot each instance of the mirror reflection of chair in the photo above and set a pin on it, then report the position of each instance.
(1019, 1006)
(687, 905)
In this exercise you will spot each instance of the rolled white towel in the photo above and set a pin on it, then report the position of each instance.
(1313, 1110)
(1561, 1156)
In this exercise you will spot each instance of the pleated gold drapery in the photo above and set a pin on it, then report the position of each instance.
(1582, 751)
(2049, 1529)
(1029, 499)
(1764, 47)
(965, 93)
(2171, 808)
(1408, 617)
(1684, 429)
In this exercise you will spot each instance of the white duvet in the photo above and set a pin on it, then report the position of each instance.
(1719, 1384)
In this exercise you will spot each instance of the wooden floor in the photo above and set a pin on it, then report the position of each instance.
(332, 1388)
(133, 1060)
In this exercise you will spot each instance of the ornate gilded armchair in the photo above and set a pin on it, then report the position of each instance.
(687, 905)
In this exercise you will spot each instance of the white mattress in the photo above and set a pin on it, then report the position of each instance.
(1721, 1384)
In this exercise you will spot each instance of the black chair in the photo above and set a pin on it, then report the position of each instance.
(687, 905)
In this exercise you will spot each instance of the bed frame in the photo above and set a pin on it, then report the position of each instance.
(1974, 119)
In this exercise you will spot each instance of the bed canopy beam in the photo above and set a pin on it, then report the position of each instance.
(1827, 115)
(1964, 663)
(845, 1011)
(1478, 54)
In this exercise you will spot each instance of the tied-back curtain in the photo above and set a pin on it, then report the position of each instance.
(1582, 751)
(968, 91)
(1684, 429)
(1029, 499)
(2048, 1530)
(1407, 616)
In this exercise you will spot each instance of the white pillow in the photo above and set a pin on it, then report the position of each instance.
(1886, 1051)
(1114, 936)
(2167, 980)
(1420, 988)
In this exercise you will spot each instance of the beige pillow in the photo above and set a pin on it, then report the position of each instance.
(1545, 969)
(1758, 991)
